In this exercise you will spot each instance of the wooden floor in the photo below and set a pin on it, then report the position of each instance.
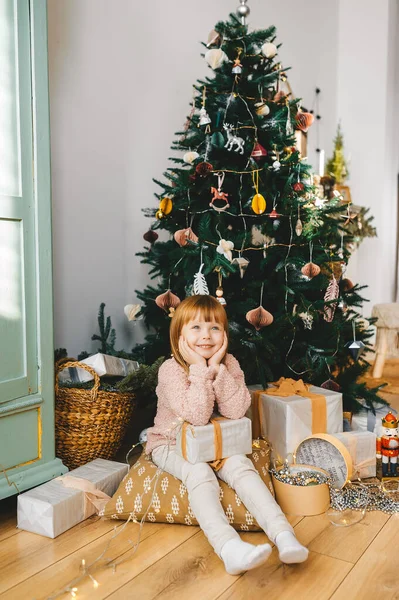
(175, 561)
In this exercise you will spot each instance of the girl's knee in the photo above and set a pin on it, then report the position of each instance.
(194, 475)
(239, 462)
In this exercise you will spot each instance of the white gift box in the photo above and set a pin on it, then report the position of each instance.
(362, 448)
(103, 364)
(52, 508)
(366, 420)
(286, 421)
(197, 443)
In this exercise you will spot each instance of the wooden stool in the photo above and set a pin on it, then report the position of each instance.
(387, 342)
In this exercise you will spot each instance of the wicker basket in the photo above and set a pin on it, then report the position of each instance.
(89, 424)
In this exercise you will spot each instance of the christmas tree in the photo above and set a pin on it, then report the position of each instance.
(246, 223)
(336, 166)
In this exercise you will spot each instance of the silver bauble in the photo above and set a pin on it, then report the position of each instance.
(243, 10)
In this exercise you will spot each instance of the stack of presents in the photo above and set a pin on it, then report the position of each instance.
(290, 420)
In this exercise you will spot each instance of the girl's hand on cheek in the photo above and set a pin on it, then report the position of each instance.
(189, 355)
(216, 359)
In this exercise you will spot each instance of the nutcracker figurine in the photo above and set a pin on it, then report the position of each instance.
(388, 445)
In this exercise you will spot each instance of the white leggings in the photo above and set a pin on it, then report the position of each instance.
(203, 492)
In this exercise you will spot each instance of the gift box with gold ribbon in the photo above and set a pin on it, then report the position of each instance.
(52, 508)
(219, 439)
(289, 411)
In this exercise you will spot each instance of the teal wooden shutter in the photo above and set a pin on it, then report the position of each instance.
(18, 308)
(26, 328)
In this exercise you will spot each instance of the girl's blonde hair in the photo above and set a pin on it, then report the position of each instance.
(208, 308)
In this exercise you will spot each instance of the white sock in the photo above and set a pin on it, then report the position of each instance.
(239, 556)
(289, 549)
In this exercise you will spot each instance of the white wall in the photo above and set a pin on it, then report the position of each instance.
(367, 100)
(121, 78)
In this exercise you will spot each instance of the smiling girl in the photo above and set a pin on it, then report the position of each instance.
(200, 377)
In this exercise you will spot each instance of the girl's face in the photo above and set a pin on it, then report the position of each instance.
(204, 337)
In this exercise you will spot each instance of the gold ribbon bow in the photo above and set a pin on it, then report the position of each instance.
(290, 387)
(217, 440)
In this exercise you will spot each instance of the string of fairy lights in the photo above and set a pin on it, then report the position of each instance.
(88, 568)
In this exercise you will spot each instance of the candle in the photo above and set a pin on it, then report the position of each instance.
(321, 163)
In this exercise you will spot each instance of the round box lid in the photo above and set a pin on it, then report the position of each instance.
(327, 452)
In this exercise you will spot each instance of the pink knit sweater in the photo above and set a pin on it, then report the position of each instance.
(192, 397)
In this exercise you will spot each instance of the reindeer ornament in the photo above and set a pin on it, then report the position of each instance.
(233, 139)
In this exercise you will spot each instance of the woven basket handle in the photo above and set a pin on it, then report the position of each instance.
(60, 366)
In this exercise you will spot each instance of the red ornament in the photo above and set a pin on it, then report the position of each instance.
(298, 186)
(258, 151)
(347, 285)
(150, 236)
(204, 169)
(274, 214)
(304, 120)
(332, 385)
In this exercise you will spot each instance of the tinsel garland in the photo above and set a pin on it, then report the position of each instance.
(355, 495)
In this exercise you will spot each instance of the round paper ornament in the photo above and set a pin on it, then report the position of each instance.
(269, 50)
(310, 270)
(168, 302)
(203, 169)
(258, 204)
(298, 186)
(215, 58)
(347, 285)
(261, 109)
(132, 312)
(214, 39)
(190, 157)
(259, 317)
(304, 120)
(184, 236)
(166, 205)
(150, 236)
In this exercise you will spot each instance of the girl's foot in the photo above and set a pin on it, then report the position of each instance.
(239, 556)
(289, 549)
